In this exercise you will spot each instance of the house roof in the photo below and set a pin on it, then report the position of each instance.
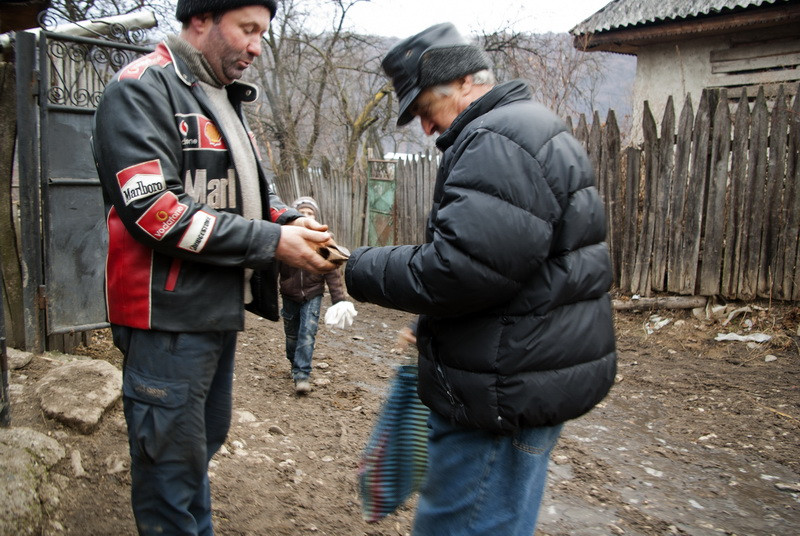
(629, 22)
(626, 13)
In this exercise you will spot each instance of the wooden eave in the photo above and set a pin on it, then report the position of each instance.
(629, 40)
(20, 15)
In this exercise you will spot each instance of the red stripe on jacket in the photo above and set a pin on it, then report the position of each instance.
(129, 267)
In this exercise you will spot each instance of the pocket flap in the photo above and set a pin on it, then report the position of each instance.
(164, 393)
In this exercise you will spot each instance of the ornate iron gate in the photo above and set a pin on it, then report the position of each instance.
(60, 81)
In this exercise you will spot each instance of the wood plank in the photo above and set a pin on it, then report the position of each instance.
(614, 194)
(582, 131)
(678, 196)
(755, 50)
(778, 61)
(630, 217)
(644, 249)
(695, 196)
(660, 302)
(753, 218)
(736, 202)
(791, 278)
(714, 227)
(666, 168)
(767, 77)
(771, 269)
(595, 148)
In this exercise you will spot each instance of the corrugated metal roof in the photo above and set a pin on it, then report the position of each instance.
(627, 13)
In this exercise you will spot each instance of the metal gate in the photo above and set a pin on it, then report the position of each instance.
(60, 79)
(381, 209)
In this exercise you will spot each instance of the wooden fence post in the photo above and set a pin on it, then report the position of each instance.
(644, 250)
(714, 225)
(791, 258)
(734, 250)
(630, 209)
(771, 270)
(678, 196)
(665, 163)
(613, 195)
(753, 221)
(695, 198)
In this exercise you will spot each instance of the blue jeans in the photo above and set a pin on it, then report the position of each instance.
(300, 323)
(483, 484)
(177, 397)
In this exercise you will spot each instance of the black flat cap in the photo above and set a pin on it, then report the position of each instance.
(434, 56)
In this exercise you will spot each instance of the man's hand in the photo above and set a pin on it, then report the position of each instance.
(309, 223)
(298, 246)
(404, 337)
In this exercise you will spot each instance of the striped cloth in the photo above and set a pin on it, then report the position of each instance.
(394, 462)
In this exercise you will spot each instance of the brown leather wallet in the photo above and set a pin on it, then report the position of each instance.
(334, 253)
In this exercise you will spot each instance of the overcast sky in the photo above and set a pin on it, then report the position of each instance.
(402, 18)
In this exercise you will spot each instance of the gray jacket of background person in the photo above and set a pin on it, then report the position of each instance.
(516, 325)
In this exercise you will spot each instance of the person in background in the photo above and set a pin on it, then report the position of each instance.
(301, 292)
(515, 333)
(194, 236)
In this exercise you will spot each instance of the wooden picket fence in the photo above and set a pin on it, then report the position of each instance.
(709, 206)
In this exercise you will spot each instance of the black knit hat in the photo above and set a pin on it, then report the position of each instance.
(434, 56)
(187, 8)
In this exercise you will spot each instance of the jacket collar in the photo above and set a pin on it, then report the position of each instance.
(499, 95)
(239, 91)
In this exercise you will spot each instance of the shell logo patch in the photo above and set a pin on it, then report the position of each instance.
(199, 133)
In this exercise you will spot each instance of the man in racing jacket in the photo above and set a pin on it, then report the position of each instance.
(194, 233)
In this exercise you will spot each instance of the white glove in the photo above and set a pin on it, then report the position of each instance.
(340, 315)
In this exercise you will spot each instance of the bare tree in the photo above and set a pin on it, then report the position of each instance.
(562, 78)
(323, 91)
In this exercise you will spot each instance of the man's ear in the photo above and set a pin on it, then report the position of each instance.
(465, 84)
(201, 21)
(196, 28)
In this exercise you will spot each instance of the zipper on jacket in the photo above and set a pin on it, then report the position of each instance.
(445, 384)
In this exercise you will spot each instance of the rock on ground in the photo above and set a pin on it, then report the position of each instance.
(26, 494)
(79, 393)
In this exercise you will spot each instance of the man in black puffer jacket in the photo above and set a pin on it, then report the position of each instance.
(515, 331)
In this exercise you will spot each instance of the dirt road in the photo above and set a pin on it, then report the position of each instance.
(698, 437)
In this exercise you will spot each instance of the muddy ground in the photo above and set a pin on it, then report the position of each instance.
(697, 437)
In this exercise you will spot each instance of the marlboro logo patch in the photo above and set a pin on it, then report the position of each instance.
(141, 180)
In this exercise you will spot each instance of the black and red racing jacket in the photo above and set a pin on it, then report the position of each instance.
(177, 243)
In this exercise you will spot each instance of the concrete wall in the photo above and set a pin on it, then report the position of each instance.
(675, 69)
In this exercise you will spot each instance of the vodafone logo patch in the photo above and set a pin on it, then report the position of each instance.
(162, 216)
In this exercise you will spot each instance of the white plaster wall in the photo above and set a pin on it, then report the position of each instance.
(676, 69)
